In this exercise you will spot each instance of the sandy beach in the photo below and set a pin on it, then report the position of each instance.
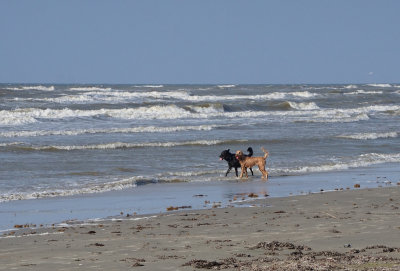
(356, 229)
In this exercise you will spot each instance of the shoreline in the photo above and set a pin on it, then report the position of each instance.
(153, 199)
(351, 229)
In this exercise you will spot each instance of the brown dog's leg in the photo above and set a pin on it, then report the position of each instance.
(241, 173)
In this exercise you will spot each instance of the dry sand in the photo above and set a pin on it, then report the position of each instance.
(345, 230)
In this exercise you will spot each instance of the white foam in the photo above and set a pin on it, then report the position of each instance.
(152, 86)
(380, 85)
(39, 87)
(112, 96)
(350, 86)
(89, 89)
(367, 136)
(89, 188)
(304, 106)
(226, 86)
(310, 114)
(303, 94)
(361, 91)
(15, 118)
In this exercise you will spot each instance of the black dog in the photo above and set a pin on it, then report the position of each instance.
(232, 161)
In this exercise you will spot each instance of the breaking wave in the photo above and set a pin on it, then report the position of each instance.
(361, 91)
(100, 95)
(88, 189)
(304, 106)
(308, 112)
(380, 85)
(38, 87)
(368, 136)
(90, 89)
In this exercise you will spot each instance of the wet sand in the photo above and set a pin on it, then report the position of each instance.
(345, 230)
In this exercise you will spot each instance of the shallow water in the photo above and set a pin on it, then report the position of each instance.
(58, 141)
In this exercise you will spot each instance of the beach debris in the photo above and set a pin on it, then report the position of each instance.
(97, 244)
(252, 195)
(216, 205)
(279, 212)
(276, 245)
(203, 264)
(357, 185)
(20, 226)
(172, 208)
(135, 261)
(199, 195)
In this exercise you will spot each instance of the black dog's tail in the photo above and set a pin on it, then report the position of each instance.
(250, 150)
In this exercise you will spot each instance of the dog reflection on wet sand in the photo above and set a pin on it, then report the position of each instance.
(249, 162)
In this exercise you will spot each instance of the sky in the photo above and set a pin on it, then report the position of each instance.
(200, 42)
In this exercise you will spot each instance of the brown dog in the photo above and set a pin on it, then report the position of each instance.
(249, 162)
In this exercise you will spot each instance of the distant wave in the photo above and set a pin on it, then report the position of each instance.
(361, 91)
(304, 106)
(152, 86)
(140, 129)
(367, 136)
(308, 112)
(96, 95)
(118, 145)
(380, 85)
(226, 86)
(33, 87)
(92, 88)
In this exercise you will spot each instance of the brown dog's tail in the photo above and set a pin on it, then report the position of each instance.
(265, 151)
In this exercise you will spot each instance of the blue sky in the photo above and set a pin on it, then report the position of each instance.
(207, 41)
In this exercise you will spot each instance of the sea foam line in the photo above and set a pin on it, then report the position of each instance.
(363, 160)
(141, 129)
(367, 136)
(89, 188)
(122, 145)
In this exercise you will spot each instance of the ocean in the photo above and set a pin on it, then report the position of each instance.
(77, 143)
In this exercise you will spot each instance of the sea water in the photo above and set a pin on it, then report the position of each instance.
(63, 141)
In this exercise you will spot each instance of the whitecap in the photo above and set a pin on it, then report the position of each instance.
(226, 86)
(350, 86)
(39, 87)
(87, 189)
(152, 86)
(380, 85)
(92, 88)
(304, 106)
(369, 136)
(361, 91)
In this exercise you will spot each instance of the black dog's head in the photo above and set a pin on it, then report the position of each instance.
(225, 155)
